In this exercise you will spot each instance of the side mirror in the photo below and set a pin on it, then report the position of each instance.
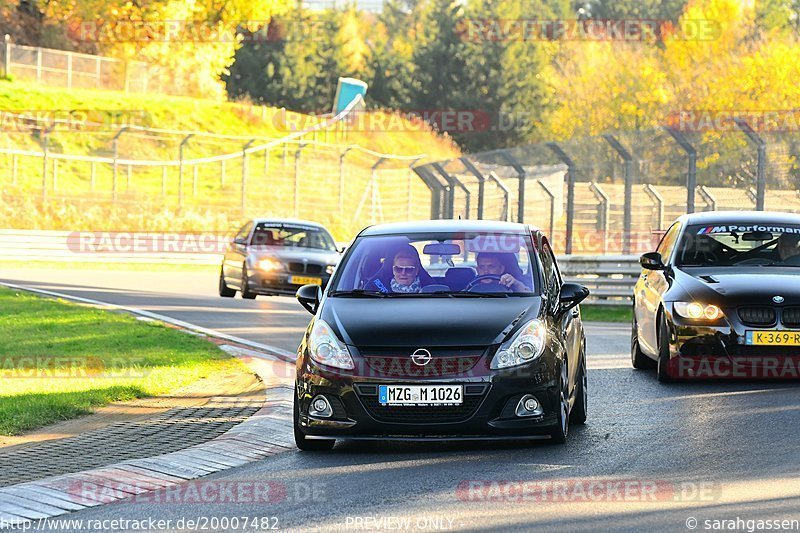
(309, 297)
(240, 240)
(342, 249)
(652, 261)
(571, 295)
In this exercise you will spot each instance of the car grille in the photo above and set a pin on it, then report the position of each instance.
(473, 396)
(405, 367)
(757, 316)
(301, 268)
(791, 317)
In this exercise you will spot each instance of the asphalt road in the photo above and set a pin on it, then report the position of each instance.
(651, 457)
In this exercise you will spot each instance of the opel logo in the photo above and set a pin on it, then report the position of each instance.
(777, 299)
(421, 357)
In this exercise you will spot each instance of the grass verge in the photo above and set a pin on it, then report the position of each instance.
(60, 360)
(605, 313)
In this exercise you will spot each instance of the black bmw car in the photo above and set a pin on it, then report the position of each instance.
(275, 256)
(442, 330)
(720, 298)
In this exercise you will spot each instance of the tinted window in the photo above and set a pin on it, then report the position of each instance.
(740, 245)
(550, 270)
(668, 242)
(292, 236)
(438, 262)
(245, 231)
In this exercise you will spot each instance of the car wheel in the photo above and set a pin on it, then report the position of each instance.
(638, 359)
(224, 290)
(300, 440)
(664, 375)
(559, 433)
(247, 294)
(581, 405)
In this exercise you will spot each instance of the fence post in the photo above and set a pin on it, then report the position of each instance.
(341, 176)
(69, 70)
(708, 198)
(628, 176)
(602, 197)
(115, 144)
(92, 175)
(39, 64)
(46, 133)
(180, 168)
(567, 160)
(453, 181)
(691, 174)
(761, 151)
(297, 153)
(506, 195)
(552, 197)
(408, 205)
(658, 200)
(266, 162)
(244, 174)
(435, 186)
(164, 181)
(481, 183)
(521, 174)
(6, 55)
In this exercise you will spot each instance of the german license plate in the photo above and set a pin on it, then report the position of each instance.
(420, 395)
(773, 338)
(303, 280)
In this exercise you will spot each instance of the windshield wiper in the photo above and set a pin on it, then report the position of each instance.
(482, 294)
(359, 293)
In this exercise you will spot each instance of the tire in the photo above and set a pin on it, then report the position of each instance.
(224, 290)
(663, 371)
(559, 433)
(247, 294)
(579, 409)
(300, 440)
(639, 360)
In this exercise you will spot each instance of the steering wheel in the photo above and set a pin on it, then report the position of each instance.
(480, 279)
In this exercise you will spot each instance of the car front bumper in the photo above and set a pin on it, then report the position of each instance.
(487, 411)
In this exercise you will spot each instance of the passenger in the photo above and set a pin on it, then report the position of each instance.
(788, 246)
(406, 268)
(503, 265)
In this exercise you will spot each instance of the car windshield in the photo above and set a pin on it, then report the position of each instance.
(269, 234)
(763, 244)
(438, 264)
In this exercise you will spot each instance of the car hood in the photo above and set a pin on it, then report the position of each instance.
(741, 285)
(429, 322)
(284, 253)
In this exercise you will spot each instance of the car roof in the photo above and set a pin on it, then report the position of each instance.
(740, 217)
(423, 226)
(288, 222)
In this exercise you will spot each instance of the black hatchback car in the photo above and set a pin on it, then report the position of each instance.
(720, 298)
(442, 330)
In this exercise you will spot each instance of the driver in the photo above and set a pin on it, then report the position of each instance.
(496, 264)
(788, 246)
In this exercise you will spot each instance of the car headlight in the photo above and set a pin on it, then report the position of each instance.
(329, 269)
(269, 265)
(327, 349)
(525, 346)
(698, 311)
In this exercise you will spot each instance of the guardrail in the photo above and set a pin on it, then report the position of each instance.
(610, 278)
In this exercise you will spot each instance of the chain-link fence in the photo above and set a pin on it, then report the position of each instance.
(616, 193)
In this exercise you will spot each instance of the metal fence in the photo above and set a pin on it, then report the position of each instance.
(616, 193)
(312, 174)
(59, 68)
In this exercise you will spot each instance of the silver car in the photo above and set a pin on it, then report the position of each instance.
(274, 256)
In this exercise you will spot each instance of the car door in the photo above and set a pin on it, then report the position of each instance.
(569, 322)
(235, 255)
(651, 286)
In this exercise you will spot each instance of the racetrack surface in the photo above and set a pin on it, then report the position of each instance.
(651, 457)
